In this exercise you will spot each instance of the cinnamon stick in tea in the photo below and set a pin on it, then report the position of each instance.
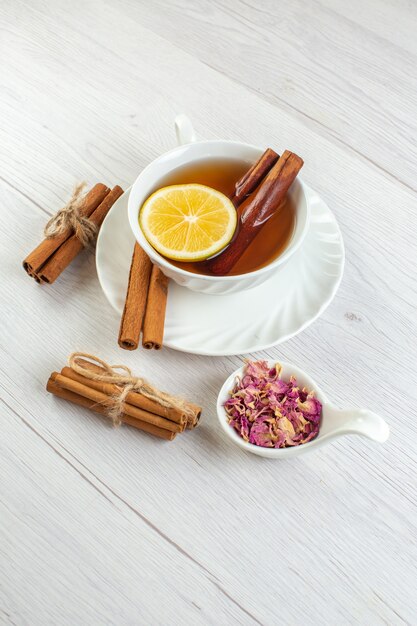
(136, 296)
(107, 401)
(154, 322)
(65, 394)
(72, 246)
(137, 399)
(42, 253)
(254, 176)
(260, 207)
(132, 397)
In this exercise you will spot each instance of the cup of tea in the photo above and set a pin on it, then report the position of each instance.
(219, 164)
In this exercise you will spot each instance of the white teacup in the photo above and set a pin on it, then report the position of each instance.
(190, 151)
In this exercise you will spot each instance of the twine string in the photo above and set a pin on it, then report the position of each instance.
(127, 383)
(70, 218)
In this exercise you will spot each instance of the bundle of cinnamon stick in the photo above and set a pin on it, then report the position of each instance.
(157, 413)
(46, 262)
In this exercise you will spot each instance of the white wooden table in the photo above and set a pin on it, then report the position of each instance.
(104, 526)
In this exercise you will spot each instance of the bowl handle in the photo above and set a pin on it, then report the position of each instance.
(361, 422)
(184, 130)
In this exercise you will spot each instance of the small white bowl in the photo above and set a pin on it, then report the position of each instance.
(335, 422)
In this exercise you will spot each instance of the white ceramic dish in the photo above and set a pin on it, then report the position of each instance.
(335, 422)
(244, 322)
(150, 179)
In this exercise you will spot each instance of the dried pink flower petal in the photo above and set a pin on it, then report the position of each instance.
(270, 412)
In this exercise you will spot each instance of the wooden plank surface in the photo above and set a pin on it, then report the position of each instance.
(99, 526)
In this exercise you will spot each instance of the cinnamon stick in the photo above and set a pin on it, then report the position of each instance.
(135, 303)
(107, 400)
(132, 397)
(54, 388)
(154, 321)
(194, 414)
(254, 176)
(72, 246)
(259, 209)
(40, 255)
(137, 399)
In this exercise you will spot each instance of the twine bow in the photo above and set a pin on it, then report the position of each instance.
(70, 218)
(126, 381)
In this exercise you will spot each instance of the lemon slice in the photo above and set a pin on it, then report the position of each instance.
(188, 222)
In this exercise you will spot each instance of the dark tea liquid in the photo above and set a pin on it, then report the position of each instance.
(222, 174)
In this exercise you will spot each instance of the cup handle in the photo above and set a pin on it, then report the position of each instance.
(184, 130)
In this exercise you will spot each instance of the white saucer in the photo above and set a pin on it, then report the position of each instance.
(242, 322)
